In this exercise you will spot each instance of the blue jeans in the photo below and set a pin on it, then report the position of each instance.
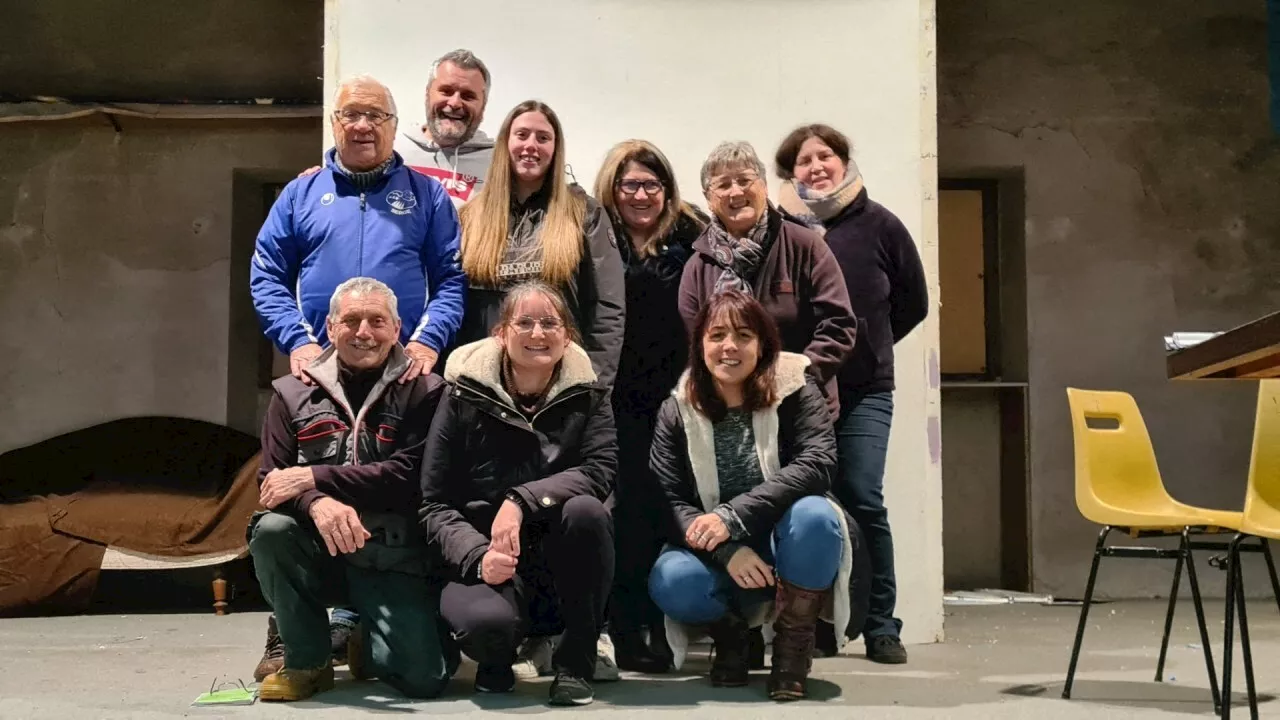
(862, 441)
(807, 544)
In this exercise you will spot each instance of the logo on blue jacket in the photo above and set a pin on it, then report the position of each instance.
(402, 202)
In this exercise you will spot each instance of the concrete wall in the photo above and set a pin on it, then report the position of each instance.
(161, 50)
(115, 260)
(1152, 185)
(677, 73)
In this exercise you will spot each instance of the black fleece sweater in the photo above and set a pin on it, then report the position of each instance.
(887, 292)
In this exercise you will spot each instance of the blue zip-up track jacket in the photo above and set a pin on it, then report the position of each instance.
(322, 231)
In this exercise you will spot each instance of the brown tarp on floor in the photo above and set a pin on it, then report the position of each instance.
(164, 486)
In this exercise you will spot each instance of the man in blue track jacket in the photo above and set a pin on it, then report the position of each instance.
(364, 214)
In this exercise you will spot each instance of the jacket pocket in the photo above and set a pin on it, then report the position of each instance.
(321, 449)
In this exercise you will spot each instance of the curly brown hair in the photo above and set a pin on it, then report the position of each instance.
(740, 310)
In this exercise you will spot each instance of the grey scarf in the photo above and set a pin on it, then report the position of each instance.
(739, 258)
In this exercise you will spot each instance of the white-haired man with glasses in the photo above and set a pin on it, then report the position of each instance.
(365, 213)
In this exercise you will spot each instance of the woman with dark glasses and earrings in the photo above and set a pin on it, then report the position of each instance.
(655, 231)
(519, 460)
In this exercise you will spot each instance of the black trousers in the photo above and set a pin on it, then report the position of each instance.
(565, 569)
(640, 517)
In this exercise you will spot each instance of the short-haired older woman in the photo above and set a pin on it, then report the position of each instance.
(745, 454)
(787, 267)
(823, 189)
(655, 231)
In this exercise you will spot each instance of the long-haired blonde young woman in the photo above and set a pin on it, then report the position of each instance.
(528, 223)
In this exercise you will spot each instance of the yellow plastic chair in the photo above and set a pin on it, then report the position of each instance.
(1261, 522)
(1118, 486)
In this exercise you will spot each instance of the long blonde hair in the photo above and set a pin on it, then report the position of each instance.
(486, 219)
(646, 154)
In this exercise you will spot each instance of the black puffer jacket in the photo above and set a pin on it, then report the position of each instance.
(656, 348)
(480, 447)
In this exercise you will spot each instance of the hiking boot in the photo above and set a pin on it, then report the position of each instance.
(793, 640)
(569, 690)
(290, 685)
(495, 679)
(886, 649)
(729, 668)
(533, 659)
(273, 656)
(635, 654)
(606, 662)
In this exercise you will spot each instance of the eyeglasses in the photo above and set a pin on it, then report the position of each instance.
(631, 187)
(724, 185)
(524, 325)
(351, 117)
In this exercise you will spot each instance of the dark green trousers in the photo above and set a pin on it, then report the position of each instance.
(399, 612)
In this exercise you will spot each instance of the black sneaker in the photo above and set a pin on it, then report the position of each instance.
(824, 640)
(495, 679)
(755, 648)
(339, 638)
(567, 690)
(886, 649)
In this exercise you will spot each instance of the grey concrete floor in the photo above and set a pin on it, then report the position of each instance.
(997, 662)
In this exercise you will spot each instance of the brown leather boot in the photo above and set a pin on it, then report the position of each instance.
(793, 640)
(291, 685)
(729, 668)
(273, 656)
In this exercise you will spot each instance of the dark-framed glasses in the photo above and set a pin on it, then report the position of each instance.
(525, 324)
(631, 187)
(351, 117)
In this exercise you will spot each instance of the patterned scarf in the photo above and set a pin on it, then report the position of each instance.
(739, 258)
(814, 208)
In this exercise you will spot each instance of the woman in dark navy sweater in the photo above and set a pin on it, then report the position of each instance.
(889, 296)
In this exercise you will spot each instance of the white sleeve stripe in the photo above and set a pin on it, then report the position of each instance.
(297, 294)
(426, 317)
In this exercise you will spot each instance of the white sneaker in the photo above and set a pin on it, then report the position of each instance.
(534, 657)
(606, 660)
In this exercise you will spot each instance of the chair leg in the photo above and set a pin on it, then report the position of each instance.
(1271, 568)
(219, 593)
(1173, 603)
(1084, 612)
(1204, 629)
(1228, 630)
(1244, 643)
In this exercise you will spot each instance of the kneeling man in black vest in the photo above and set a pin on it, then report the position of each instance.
(340, 466)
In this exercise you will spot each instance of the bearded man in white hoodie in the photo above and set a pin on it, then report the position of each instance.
(449, 146)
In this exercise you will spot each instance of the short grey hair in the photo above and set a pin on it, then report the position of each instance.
(364, 81)
(362, 286)
(728, 155)
(466, 60)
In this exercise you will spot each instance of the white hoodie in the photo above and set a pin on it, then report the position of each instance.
(461, 170)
